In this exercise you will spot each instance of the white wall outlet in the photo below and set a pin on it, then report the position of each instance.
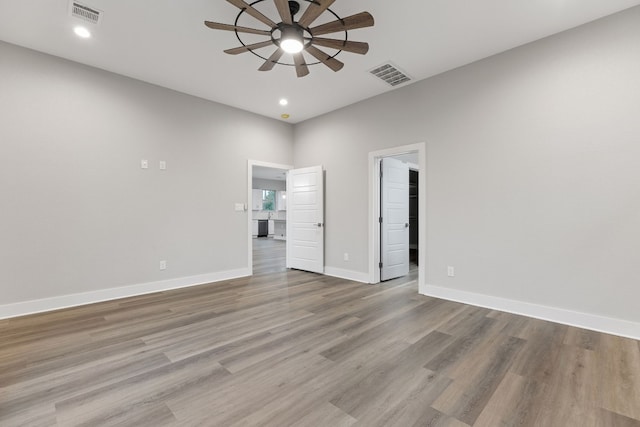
(144, 164)
(346, 256)
(163, 265)
(163, 165)
(239, 207)
(451, 272)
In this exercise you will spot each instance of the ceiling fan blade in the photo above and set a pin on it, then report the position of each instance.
(301, 66)
(253, 12)
(359, 20)
(313, 11)
(218, 26)
(326, 59)
(247, 48)
(346, 45)
(271, 62)
(284, 11)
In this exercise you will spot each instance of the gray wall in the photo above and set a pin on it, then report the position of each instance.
(533, 183)
(78, 214)
(532, 166)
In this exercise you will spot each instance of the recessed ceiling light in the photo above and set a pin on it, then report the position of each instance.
(285, 116)
(82, 32)
(283, 102)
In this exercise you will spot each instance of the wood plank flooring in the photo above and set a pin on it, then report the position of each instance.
(268, 255)
(290, 348)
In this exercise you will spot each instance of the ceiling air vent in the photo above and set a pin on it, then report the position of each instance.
(390, 74)
(86, 13)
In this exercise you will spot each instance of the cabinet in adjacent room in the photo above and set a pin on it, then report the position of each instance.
(256, 204)
(281, 200)
(280, 229)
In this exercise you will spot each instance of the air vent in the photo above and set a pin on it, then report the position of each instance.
(85, 13)
(390, 74)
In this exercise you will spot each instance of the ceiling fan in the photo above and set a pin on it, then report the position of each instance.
(296, 36)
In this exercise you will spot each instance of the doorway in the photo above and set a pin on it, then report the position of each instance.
(414, 212)
(266, 208)
(415, 156)
(394, 218)
(413, 183)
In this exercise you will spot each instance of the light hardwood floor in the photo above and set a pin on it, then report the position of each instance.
(289, 348)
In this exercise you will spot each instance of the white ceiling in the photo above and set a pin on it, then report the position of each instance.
(165, 42)
(273, 174)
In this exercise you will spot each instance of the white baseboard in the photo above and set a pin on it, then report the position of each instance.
(72, 300)
(356, 276)
(593, 322)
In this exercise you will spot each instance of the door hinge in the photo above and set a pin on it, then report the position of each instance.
(380, 265)
(380, 220)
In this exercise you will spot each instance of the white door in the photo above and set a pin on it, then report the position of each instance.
(394, 223)
(305, 219)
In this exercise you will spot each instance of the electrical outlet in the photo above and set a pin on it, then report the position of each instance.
(451, 272)
(346, 256)
(163, 265)
(163, 165)
(144, 164)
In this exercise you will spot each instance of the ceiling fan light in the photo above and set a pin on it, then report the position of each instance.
(291, 45)
(291, 41)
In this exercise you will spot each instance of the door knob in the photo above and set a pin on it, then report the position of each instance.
(319, 224)
(406, 225)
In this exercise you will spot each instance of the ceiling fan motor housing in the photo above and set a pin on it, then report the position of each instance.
(289, 32)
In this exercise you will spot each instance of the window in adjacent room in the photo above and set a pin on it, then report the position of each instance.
(268, 200)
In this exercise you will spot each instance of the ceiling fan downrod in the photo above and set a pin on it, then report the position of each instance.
(294, 7)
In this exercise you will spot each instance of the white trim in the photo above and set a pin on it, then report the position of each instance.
(374, 210)
(374, 214)
(250, 165)
(72, 300)
(341, 273)
(593, 322)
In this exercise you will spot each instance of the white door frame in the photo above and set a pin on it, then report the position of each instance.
(250, 165)
(374, 210)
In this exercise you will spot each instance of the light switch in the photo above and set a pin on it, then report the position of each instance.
(163, 165)
(240, 207)
(144, 164)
